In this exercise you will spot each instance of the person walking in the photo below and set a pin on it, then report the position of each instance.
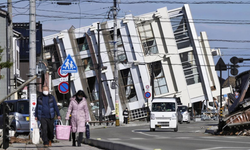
(45, 113)
(79, 111)
(125, 115)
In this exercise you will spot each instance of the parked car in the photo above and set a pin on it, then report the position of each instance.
(184, 111)
(180, 116)
(20, 110)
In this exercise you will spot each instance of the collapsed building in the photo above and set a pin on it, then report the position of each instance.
(165, 40)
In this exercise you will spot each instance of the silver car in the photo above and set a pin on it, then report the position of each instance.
(185, 114)
(20, 110)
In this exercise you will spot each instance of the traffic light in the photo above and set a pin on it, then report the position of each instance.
(234, 60)
(6, 111)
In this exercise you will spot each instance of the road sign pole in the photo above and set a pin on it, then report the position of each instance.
(69, 88)
(220, 117)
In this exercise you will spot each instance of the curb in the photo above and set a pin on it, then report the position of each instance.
(108, 145)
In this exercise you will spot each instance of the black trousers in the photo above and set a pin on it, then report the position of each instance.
(125, 120)
(47, 130)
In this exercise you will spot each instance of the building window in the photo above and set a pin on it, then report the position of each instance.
(54, 60)
(82, 44)
(190, 68)
(179, 26)
(160, 84)
(147, 38)
(120, 53)
(129, 85)
(87, 63)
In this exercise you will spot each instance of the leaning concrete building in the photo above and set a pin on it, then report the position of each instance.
(182, 61)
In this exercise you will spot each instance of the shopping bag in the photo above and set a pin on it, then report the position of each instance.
(62, 131)
(87, 132)
(35, 134)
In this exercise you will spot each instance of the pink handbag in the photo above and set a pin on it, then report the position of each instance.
(63, 131)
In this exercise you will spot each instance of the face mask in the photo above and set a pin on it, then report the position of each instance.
(45, 92)
(79, 97)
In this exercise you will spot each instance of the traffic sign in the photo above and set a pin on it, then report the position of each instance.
(61, 74)
(147, 94)
(69, 66)
(63, 87)
(147, 86)
(220, 65)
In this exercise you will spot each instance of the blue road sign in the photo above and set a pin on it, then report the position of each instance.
(147, 94)
(69, 66)
(63, 87)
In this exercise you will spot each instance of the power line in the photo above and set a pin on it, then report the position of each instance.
(169, 2)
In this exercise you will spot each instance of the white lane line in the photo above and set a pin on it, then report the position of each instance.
(161, 137)
(137, 138)
(230, 137)
(208, 137)
(143, 132)
(218, 148)
(113, 139)
(182, 137)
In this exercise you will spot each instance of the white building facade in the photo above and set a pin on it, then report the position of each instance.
(165, 40)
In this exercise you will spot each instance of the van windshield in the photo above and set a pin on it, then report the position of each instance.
(23, 107)
(163, 107)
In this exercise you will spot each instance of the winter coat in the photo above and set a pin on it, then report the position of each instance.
(79, 114)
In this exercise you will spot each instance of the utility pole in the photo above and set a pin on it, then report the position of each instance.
(32, 62)
(10, 50)
(115, 68)
(99, 73)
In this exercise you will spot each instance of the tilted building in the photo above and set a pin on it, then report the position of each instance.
(165, 40)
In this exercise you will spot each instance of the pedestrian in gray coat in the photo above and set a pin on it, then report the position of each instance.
(78, 109)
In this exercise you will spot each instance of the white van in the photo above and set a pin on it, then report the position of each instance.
(164, 114)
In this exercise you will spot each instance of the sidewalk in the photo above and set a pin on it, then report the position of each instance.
(62, 145)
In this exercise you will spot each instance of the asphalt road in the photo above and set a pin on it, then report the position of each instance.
(189, 137)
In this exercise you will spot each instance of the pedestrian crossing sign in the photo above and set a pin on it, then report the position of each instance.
(69, 66)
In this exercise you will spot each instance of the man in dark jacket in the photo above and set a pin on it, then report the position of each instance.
(45, 113)
(125, 115)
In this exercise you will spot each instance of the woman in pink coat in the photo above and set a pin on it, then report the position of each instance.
(79, 116)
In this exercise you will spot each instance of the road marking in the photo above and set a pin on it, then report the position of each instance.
(143, 132)
(162, 137)
(182, 137)
(231, 137)
(218, 148)
(137, 138)
(113, 139)
(208, 137)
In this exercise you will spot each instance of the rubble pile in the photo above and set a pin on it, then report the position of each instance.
(236, 133)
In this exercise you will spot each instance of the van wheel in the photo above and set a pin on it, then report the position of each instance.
(176, 129)
(152, 129)
(188, 122)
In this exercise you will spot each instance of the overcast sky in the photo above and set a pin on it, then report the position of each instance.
(229, 29)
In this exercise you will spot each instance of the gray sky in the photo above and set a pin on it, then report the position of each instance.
(227, 25)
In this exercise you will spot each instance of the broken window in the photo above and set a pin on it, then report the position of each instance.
(87, 63)
(160, 84)
(129, 85)
(180, 30)
(147, 38)
(190, 68)
(82, 44)
(120, 49)
(93, 93)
